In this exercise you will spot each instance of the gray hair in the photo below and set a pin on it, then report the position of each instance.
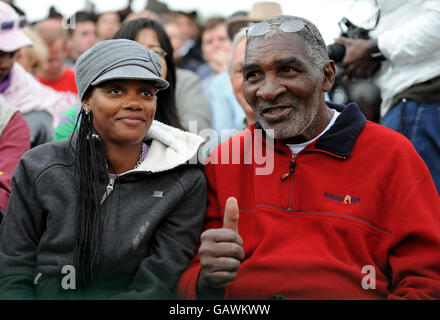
(315, 45)
(238, 37)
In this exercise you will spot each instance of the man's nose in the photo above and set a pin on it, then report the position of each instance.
(270, 89)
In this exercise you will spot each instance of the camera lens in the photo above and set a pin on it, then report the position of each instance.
(336, 52)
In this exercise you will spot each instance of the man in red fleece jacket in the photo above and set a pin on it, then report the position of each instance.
(342, 208)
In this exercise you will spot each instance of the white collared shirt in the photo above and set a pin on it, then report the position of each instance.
(297, 148)
(408, 35)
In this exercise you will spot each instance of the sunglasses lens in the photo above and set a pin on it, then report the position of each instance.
(7, 25)
(259, 29)
(22, 23)
(292, 26)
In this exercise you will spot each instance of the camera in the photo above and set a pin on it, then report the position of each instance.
(336, 51)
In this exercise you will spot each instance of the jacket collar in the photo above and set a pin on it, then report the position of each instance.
(169, 148)
(340, 138)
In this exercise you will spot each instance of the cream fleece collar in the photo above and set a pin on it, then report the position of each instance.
(170, 147)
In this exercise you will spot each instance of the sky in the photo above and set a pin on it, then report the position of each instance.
(324, 13)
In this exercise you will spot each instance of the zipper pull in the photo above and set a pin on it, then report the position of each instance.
(37, 278)
(292, 165)
(108, 190)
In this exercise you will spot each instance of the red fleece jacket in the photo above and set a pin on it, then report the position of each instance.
(358, 210)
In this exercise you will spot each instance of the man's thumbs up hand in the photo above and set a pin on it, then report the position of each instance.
(220, 254)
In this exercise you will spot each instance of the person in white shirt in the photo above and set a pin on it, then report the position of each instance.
(408, 38)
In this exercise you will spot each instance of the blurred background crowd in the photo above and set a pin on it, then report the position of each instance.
(197, 65)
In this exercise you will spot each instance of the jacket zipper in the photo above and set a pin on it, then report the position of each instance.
(37, 278)
(111, 184)
(292, 165)
(108, 190)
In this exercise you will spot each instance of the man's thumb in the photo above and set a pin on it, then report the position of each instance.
(230, 220)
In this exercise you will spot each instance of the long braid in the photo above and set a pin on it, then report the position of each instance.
(89, 220)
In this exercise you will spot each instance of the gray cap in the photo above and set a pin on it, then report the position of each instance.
(117, 59)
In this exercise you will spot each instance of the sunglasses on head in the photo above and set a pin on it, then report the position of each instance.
(262, 28)
(9, 24)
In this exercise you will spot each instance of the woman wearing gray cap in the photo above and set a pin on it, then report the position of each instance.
(116, 212)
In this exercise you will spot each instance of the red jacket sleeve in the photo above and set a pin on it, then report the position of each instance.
(415, 257)
(14, 141)
(187, 285)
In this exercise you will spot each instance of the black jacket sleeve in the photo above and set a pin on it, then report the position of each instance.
(20, 234)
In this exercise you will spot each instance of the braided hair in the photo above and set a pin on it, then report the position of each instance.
(89, 162)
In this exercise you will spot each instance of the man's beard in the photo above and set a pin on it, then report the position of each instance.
(299, 119)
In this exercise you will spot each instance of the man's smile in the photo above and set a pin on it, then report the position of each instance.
(275, 113)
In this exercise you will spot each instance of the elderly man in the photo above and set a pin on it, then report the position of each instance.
(235, 65)
(349, 211)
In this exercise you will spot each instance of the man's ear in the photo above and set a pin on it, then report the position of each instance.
(329, 76)
(67, 47)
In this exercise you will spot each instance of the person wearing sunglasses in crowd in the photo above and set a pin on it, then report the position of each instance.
(349, 211)
(183, 101)
(120, 205)
(41, 106)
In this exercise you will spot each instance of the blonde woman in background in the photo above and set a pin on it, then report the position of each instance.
(32, 58)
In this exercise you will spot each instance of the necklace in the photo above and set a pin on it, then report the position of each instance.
(141, 157)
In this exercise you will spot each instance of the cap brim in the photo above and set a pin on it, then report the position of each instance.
(132, 72)
(12, 40)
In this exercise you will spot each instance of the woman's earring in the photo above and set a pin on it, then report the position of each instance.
(86, 111)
